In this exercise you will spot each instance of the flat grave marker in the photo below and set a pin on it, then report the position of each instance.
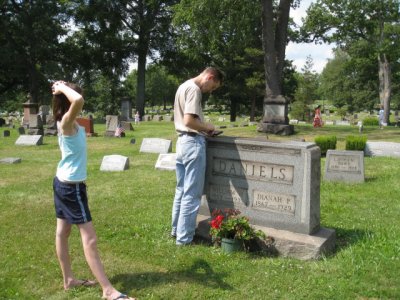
(166, 161)
(156, 145)
(114, 162)
(29, 140)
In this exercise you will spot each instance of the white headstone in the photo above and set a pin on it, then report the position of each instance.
(166, 162)
(29, 140)
(156, 145)
(114, 163)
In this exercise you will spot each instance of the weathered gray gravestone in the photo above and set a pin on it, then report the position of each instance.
(29, 140)
(111, 124)
(10, 160)
(276, 185)
(346, 166)
(114, 163)
(166, 161)
(156, 145)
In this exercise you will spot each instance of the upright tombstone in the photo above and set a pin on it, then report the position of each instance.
(6, 133)
(156, 145)
(114, 163)
(30, 108)
(29, 140)
(21, 130)
(276, 185)
(126, 109)
(87, 123)
(44, 111)
(275, 118)
(111, 124)
(345, 166)
(2, 122)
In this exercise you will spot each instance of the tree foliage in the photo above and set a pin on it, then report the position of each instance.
(349, 23)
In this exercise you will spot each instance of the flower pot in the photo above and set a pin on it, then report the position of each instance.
(231, 245)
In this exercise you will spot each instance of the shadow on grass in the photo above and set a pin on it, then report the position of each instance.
(199, 272)
(348, 237)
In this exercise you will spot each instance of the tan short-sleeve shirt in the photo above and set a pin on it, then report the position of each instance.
(187, 101)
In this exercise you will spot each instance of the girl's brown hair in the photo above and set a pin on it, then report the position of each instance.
(61, 103)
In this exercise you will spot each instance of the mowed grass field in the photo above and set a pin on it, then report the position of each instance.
(131, 213)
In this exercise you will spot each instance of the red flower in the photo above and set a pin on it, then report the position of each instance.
(217, 221)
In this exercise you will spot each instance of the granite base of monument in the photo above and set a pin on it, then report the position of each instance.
(285, 243)
(280, 129)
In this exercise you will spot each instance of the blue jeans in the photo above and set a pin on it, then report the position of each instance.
(190, 175)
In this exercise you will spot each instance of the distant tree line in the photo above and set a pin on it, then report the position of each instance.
(95, 42)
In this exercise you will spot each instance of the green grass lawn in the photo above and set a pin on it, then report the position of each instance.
(131, 213)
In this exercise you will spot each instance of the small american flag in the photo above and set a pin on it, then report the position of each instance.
(120, 131)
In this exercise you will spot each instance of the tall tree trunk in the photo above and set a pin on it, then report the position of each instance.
(385, 89)
(141, 79)
(253, 108)
(233, 109)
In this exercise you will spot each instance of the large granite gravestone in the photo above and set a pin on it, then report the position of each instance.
(390, 149)
(87, 123)
(346, 166)
(114, 163)
(29, 140)
(166, 161)
(111, 124)
(276, 185)
(156, 145)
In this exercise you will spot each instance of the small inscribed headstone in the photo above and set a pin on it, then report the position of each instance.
(10, 160)
(114, 163)
(346, 166)
(29, 140)
(156, 145)
(6, 133)
(166, 162)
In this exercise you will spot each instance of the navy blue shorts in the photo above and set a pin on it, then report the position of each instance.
(71, 202)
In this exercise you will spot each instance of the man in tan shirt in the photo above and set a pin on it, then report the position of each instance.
(191, 151)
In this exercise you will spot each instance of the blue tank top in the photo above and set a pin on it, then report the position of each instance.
(72, 166)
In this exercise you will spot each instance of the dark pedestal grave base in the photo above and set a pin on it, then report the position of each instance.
(281, 129)
(286, 243)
